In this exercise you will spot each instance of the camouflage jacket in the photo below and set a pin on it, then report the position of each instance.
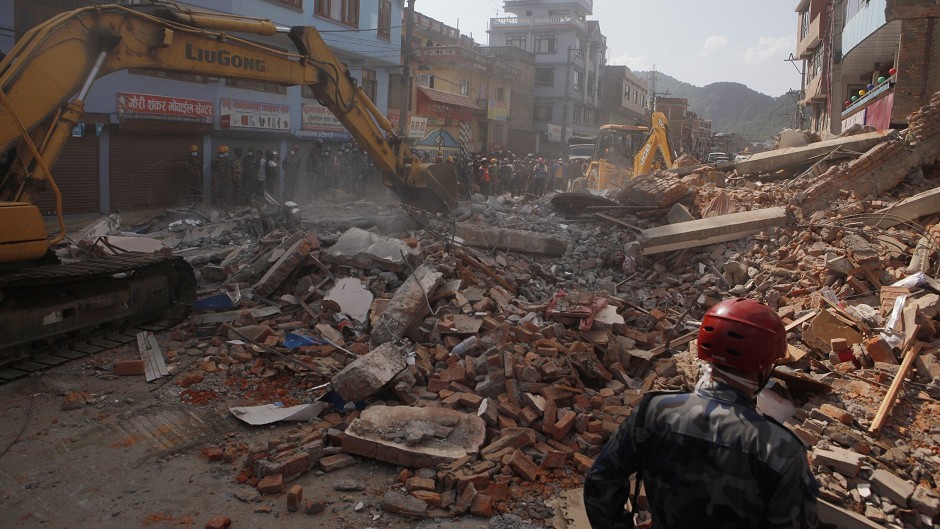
(708, 459)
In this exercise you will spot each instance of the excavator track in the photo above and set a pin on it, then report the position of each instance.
(46, 308)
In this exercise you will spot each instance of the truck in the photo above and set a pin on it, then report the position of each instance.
(44, 80)
(627, 151)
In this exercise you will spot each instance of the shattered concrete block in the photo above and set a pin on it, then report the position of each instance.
(368, 374)
(349, 296)
(843, 461)
(926, 501)
(283, 268)
(887, 485)
(363, 249)
(397, 503)
(453, 435)
(408, 306)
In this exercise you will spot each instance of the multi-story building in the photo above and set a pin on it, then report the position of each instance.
(463, 95)
(569, 53)
(128, 155)
(868, 62)
(624, 97)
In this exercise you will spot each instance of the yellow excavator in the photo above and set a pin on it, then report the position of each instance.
(44, 80)
(623, 152)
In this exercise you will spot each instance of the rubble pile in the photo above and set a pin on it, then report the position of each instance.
(491, 365)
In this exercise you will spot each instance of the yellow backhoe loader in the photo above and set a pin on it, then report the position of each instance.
(43, 82)
(624, 152)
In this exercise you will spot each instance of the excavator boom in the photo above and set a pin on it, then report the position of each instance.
(43, 83)
(658, 140)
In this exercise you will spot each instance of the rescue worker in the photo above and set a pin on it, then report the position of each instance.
(221, 177)
(272, 173)
(236, 174)
(315, 164)
(493, 172)
(291, 167)
(250, 163)
(194, 170)
(539, 174)
(505, 177)
(709, 459)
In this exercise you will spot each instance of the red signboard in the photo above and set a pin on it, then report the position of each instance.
(147, 106)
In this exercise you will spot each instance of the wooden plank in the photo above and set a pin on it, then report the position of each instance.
(618, 222)
(801, 321)
(157, 356)
(910, 354)
(228, 317)
(150, 353)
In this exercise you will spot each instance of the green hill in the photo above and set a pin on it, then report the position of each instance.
(733, 107)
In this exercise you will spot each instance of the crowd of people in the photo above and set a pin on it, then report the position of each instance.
(506, 173)
(241, 175)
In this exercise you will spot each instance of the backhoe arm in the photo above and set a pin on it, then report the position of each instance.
(658, 139)
(51, 64)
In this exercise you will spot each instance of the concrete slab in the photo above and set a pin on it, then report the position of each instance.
(351, 297)
(375, 434)
(764, 162)
(363, 249)
(488, 238)
(710, 231)
(408, 305)
(368, 374)
(913, 208)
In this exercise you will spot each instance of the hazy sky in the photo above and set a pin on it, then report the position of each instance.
(696, 41)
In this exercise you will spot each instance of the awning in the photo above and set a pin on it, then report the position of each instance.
(445, 105)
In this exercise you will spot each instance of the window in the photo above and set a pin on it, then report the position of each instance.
(464, 87)
(425, 80)
(804, 22)
(350, 13)
(496, 134)
(369, 85)
(545, 43)
(542, 112)
(517, 41)
(592, 84)
(343, 11)
(577, 115)
(545, 76)
(500, 94)
(578, 81)
(385, 19)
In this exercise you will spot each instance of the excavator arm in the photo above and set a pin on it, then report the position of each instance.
(658, 139)
(45, 77)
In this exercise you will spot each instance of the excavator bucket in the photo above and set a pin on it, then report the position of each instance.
(439, 195)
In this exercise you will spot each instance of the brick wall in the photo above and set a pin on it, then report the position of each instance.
(883, 167)
(918, 70)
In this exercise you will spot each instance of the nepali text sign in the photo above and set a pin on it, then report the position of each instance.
(318, 122)
(497, 110)
(146, 106)
(417, 127)
(252, 115)
(554, 132)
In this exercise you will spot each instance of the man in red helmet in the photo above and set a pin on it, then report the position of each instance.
(709, 459)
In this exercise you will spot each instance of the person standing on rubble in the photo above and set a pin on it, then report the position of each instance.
(272, 173)
(291, 167)
(222, 177)
(314, 169)
(709, 459)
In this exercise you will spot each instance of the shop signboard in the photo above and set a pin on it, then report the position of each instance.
(147, 106)
(253, 116)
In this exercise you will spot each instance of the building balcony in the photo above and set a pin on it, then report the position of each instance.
(815, 91)
(809, 41)
(546, 22)
(460, 57)
(583, 6)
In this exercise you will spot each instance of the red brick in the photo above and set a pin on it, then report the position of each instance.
(315, 506)
(295, 465)
(555, 459)
(431, 498)
(417, 483)
(498, 491)
(128, 367)
(294, 498)
(331, 463)
(214, 453)
(583, 462)
(466, 498)
(271, 484)
(219, 522)
(482, 506)
(564, 424)
(524, 466)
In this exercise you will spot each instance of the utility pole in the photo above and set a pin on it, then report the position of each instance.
(653, 81)
(406, 71)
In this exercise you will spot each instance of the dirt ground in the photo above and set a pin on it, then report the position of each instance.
(134, 459)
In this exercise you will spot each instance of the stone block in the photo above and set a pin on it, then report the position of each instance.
(368, 374)
(889, 486)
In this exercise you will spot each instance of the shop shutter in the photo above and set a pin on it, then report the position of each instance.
(149, 171)
(76, 175)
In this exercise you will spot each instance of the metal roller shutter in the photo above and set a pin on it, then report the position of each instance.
(76, 174)
(149, 171)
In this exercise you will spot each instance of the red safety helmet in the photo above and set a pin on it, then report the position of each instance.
(742, 334)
